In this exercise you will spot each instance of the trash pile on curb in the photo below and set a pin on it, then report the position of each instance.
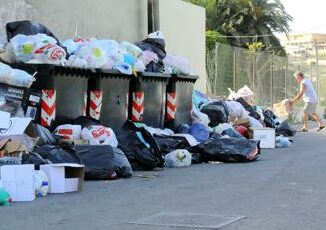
(37, 160)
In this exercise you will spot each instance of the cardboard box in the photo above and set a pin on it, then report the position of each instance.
(14, 145)
(64, 177)
(18, 181)
(19, 126)
(266, 136)
(283, 109)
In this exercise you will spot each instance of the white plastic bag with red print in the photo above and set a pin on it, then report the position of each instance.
(99, 135)
(68, 132)
(50, 54)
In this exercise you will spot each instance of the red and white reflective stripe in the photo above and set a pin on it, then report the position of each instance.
(95, 104)
(137, 106)
(127, 106)
(48, 107)
(171, 106)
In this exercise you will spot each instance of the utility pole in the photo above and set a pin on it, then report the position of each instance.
(153, 16)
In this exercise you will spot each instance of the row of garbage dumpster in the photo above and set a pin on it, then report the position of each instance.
(64, 93)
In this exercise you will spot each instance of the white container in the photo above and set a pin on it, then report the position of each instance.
(266, 136)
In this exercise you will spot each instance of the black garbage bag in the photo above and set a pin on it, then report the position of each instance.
(252, 112)
(217, 112)
(228, 150)
(168, 144)
(285, 129)
(269, 119)
(157, 46)
(140, 147)
(35, 159)
(27, 28)
(58, 154)
(103, 161)
(86, 122)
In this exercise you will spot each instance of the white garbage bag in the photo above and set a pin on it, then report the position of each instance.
(254, 123)
(68, 132)
(131, 49)
(246, 93)
(236, 110)
(99, 135)
(199, 117)
(15, 77)
(178, 158)
(174, 64)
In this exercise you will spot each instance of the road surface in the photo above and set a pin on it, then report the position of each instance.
(285, 189)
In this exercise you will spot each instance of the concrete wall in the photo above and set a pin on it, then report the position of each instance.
(183, 25)
(117, 19)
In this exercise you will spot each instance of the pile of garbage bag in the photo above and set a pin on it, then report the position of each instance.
(31, 42)
(220, 130)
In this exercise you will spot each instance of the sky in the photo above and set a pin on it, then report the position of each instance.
(309, 15)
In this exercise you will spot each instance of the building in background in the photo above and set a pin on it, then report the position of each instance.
(304, 44)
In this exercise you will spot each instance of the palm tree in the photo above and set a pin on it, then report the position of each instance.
(237, 18)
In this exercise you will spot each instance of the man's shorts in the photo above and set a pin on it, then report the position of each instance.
(310, 108)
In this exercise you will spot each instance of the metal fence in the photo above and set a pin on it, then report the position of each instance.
(269, 76)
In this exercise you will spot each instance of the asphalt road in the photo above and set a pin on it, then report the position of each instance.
(285, 189)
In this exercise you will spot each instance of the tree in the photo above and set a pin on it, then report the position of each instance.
(238, 18)
(212, 37)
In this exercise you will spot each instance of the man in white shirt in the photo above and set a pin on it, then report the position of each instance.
(309, 96)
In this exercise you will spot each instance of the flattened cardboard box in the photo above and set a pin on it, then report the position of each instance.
(19, 126)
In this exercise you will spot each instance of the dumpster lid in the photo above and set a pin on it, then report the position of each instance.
(186, 77)
(153, 75)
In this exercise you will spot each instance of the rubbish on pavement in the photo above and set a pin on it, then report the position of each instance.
(178, 158)
(68, 132)
(18, 181)
(266, 136)
(199, 131)
(19, 126)
(140, 147)
(283, 142)
(242, 122)
(199, 117)
(217, 112)
(99, 135)
(5, 198)
(65, 177)
(243, 130)
(249, 108)
(103, 161)
(285, 129)
(16, 145)
(228, 150)
(41, 183)
(58, 154)
(236, 110)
